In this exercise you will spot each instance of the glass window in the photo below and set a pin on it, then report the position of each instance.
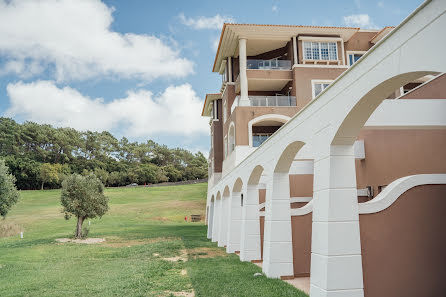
(258, 139)
(307, 51)
(352, 58)
(319, 87)
(324, 51)
(315, 50)
(333, 49)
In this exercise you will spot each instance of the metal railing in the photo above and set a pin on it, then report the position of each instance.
(269, 64)
(278, 100)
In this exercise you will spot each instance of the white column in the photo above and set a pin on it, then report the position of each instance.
(216, 220)
(243, 76)
(229, 69)
(250, 231)
(277, 244)
(221, 219)
(222, 241)
(294, 50)
(234, 223)
(336, 265)
(210, 219)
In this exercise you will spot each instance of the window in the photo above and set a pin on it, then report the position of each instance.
(320, 51)
(259, 138)
(215, 111)
(353, 57)
(318, 87)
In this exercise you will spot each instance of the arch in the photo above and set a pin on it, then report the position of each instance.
(231, 137)
(218, 196)
(255, 175)
(266, 117)
(286, 158)
(212, 198)
(226, 192)
(358, 115)
(237, 185)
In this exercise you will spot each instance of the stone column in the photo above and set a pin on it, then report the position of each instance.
(336, 265)
(244, 101)
(250, 231)
(216, 220)
(210, 219)
(277, 244)
(234, 223)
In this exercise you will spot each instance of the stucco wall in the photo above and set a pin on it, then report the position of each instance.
(403, 247)
(301, 234)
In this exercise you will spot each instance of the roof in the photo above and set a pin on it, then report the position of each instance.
(274, 34)
(381, 33)
(209, 98)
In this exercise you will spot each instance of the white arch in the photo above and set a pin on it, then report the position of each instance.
(393, 191)
(265, 117)
(231, 139)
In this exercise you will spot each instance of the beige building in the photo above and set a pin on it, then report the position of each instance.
(272, 75)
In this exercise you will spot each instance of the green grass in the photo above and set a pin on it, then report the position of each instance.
(143, 227)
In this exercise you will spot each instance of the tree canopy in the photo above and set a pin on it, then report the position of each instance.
(8, 192)
(43, 155)
(83, 197)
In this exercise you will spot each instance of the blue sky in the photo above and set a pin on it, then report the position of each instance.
(138, 68)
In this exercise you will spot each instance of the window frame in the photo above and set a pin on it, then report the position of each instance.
(319, 50)
(353, 53)
(314, 82)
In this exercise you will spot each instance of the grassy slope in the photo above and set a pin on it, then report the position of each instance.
(143, 226)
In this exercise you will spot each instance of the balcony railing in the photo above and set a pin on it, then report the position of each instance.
(269, 64)
(278, 100)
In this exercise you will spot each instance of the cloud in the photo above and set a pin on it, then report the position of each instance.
(275, 8)
(359, 20)
(215, 23)
(215, 43)
(175, 111)
(74, 41)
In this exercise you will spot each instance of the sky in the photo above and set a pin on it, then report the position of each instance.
(141, 68)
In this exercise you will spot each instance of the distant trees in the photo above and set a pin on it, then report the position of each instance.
(8, 192)
(83, 197)
(34, 153)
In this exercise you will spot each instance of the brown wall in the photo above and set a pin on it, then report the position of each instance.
(301, 185)
(217, 150)
(404, 246)
(360, 41)
(301, 236)
(392, 154)
(302, 81)
(435, 89)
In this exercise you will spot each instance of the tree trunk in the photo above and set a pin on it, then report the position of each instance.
(80, 221)
(42, 186)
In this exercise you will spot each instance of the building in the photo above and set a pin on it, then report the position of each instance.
(363, 122)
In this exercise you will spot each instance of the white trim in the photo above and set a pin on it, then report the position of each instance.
(319, 66)
(295, 50)
(265, 117)
(363, 192)
(319, 81)
(393, 191)
(300, 199)
(316, 39)
(261, 213)
(229, 69)
(301, 211)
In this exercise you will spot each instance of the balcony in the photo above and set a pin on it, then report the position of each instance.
(269, 64)
(278, 101)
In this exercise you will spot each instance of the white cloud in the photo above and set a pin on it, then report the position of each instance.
(175, 111)
(275, 8)
(359, 20)
(73, 39)
(215, 43)
(216, 22)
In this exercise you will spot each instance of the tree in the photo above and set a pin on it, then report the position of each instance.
(83, 197)
(8, 192)
(50, 173)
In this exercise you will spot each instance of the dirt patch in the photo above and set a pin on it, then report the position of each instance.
(183, 271)
(117, 242)
(204, 252)
(161, 219)
(84, 241)
(9, 229)
(181, 294)
(182, 257)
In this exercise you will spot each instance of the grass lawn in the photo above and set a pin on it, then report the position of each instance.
(149, 250)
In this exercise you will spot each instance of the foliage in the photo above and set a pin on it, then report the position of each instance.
(8, 192)
(34, 154)
(83, 197)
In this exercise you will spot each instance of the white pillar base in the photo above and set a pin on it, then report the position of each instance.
(250, 231)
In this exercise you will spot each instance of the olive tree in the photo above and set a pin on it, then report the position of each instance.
(8, 192)
(83, 197)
